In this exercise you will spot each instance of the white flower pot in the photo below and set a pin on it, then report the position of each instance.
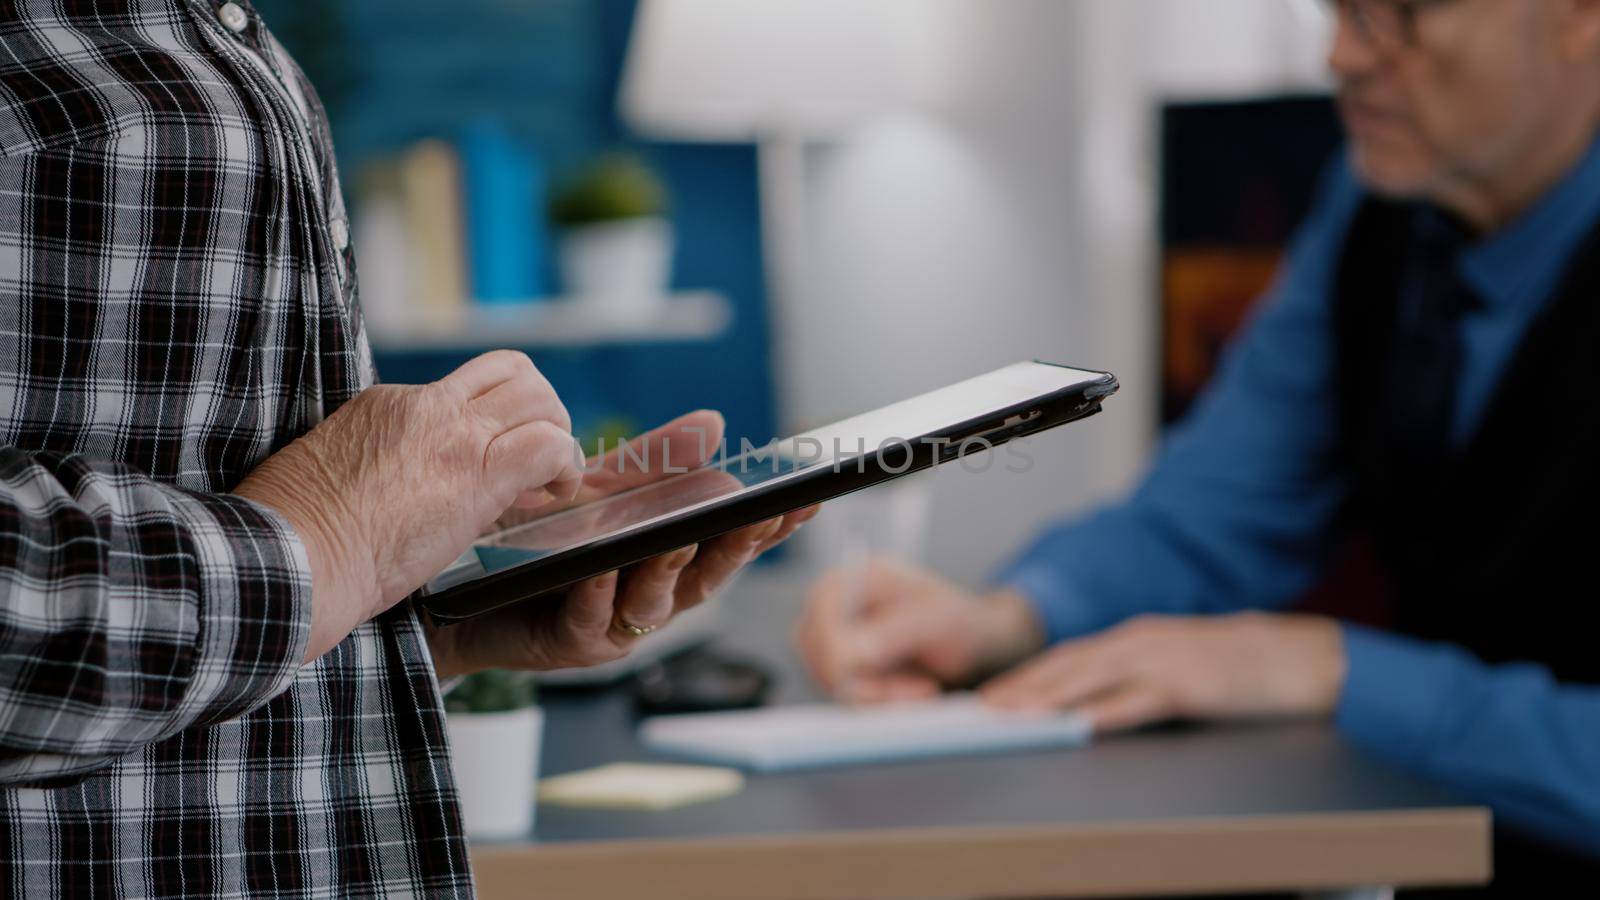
(622, 267)
(495, 757)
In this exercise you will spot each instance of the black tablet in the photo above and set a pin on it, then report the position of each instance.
(958, 422)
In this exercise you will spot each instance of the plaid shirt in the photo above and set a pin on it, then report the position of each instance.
(176, 303)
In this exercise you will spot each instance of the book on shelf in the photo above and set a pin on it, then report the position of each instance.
(430, 190)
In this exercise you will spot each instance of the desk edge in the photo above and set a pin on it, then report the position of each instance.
(1436, 846)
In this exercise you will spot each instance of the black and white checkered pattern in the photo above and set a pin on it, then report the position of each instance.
(174, 307)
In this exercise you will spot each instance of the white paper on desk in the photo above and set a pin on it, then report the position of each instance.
(796, 737)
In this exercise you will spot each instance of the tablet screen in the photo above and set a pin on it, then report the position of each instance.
(839, 445)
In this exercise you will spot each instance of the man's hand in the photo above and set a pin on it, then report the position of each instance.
(887, 631)
(1248, 665)
(586, 625)
(399, 481)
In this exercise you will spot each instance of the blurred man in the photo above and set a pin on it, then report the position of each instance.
(211, 683)
(1423, 374)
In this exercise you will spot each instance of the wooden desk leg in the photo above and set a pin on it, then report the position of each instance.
(1368, 893)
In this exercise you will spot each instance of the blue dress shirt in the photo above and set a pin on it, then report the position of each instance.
(1238, 511)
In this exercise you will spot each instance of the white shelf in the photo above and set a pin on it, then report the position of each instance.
(687, 316)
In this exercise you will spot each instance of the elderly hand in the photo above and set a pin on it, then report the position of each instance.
(1247, 665)
(887, 631)
(399, 481)
(587, 625)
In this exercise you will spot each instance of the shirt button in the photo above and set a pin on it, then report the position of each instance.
(340, 232)
(233, 17)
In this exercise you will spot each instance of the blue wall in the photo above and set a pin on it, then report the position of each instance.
(394, 71)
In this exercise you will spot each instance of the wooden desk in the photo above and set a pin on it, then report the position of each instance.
(1168, 812)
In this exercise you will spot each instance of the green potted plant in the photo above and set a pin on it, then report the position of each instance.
(616, 242)
(495, 729)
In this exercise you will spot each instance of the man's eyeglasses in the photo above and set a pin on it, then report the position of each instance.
(1387, 25)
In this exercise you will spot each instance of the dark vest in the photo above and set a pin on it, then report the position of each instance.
(1497, 551)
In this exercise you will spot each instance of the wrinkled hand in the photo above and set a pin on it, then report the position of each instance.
(886, 632)
(400, 480)
(584, 626)
(1154, 668)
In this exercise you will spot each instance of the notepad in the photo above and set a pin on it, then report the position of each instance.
(639, 786)
(782, 738)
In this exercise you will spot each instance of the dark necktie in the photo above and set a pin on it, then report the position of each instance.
(1425, 360)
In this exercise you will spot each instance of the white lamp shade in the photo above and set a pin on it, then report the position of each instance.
(736, 70)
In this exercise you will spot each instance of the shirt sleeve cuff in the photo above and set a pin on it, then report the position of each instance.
(1058, 605)
(255, 624)
(1394, 690)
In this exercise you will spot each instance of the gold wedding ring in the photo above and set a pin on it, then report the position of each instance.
(635, 630)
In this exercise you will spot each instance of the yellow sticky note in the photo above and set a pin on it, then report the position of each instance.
(640, 786)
